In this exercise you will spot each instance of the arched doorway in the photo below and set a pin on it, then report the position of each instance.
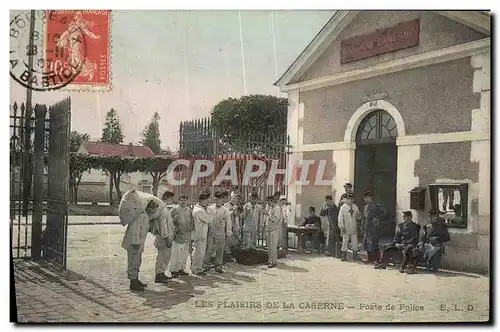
(376, 163)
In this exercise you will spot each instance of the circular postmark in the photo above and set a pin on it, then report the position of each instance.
(57, 49)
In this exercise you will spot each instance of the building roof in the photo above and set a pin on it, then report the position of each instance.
(100, 148)
(478, 20)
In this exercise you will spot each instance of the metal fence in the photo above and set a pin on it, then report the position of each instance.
(199, 140)
(39, 171)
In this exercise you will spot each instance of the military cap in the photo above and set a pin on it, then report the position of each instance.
(433, 212)
(204, 195)
(367, 193)
(167, 194)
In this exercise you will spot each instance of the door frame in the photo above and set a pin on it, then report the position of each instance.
(347, 174)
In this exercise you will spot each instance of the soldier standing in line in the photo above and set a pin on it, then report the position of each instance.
(218, 231)
(273, 221)
(331, 211)
(202, 218)
(348, 223)
(163, 229)
(252, 215)
(372, 215)
(183, 227)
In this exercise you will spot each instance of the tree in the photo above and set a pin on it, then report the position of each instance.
(254, 118)
(157, 168)
(76, 139)
(79, 163)
(112, 133)
(151, 135)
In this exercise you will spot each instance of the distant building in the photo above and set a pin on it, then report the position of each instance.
(95, 184)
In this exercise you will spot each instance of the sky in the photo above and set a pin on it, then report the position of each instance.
(182, 63)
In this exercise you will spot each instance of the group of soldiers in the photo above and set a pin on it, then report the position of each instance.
(203, 230)
(411, 240)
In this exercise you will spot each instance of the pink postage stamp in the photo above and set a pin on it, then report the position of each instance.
(79, 40)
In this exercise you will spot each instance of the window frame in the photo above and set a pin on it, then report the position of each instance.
(463, 189)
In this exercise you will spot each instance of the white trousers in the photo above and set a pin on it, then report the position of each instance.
(272, 246)
(162, 259)
(180, 253)
(134, 260)
(345, 242)
(249, 236)
(200, 246)
(217, 244)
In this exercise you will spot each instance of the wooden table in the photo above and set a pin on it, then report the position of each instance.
(300, 232)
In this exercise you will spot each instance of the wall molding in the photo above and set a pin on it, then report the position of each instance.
(461, 136)
(393, 66)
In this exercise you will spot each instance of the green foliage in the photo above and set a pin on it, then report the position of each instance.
(151, 134)
(76, 139)
(250, 117)
(116, 166)
(112, 131)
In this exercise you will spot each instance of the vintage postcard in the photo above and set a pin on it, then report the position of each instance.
(238, 166)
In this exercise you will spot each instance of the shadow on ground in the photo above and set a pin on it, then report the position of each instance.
(46, 275)
(181, 290)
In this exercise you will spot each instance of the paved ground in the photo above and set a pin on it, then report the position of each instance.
(95, 289)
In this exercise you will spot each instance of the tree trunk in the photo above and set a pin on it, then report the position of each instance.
(156, 183)
(111, 175)
(71, 191)
(117, 178)
(77, 184)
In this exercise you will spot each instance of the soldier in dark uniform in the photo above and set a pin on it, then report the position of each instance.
(432, 239)
(370, 225)
(331, 211)
(348, 190)
(406, 241)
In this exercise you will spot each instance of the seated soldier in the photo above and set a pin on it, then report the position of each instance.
(432, 239)
(312, 220)
(406, 241)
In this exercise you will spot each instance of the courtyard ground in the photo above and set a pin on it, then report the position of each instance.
(303, 288)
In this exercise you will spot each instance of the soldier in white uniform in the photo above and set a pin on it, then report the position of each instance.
(162, 228)
(252, 215)
(182, 217)
(348, 220)
(273, 222)
(235, 211)
(219, 230)
(135, 210)
(284, 222)
(202, 218)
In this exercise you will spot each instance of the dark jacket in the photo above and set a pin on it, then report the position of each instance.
(332, 213)
(312, 220)
(435, 233)
(407, 233)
